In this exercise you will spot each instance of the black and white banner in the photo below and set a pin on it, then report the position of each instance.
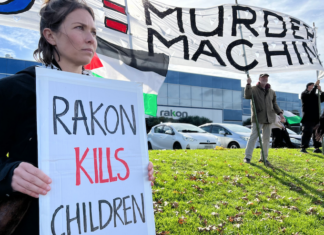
(203, 38)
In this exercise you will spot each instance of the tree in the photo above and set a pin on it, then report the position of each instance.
(247, 122)
(195, 120)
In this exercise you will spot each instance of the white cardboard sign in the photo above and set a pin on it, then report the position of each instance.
(92, 144)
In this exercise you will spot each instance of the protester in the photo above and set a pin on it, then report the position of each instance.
(67, 43)
(280, 135)
(267, 108)
(310, 117)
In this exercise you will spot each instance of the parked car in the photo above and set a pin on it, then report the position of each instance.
(180, 136)
(229, 135)
(296, 139)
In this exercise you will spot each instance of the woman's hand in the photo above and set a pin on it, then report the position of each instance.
(30, 180)
(150, 173)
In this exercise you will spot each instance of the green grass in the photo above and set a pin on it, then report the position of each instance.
(192, 185)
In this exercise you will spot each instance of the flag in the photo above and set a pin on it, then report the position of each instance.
(291, 118)
(115, 62)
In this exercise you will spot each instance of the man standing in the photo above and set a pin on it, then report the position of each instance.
(310, 115)
(266, 107)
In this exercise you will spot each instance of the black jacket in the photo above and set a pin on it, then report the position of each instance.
(310, 106)
(18, 136)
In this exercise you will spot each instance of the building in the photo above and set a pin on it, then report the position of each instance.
(184, 94)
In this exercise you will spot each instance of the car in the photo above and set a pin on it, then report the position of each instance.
(296, 139)
(230, 135)
(180, 136)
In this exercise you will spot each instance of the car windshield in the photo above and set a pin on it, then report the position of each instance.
(237, 128)
(291, 132)
(187, 128)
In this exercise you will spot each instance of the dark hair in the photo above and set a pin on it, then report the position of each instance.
(53, 14)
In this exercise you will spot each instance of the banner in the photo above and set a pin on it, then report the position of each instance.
(92, 144)
(195, 37)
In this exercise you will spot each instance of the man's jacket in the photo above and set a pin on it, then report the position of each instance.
(310, 106)
(265, 103)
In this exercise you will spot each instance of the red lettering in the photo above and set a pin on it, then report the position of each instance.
(100, 168)
(95, 165)
(112, 179)
(124, 163)
(80, 167)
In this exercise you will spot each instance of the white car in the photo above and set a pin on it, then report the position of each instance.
(180, 136)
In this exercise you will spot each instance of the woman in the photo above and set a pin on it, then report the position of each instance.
(67, 43)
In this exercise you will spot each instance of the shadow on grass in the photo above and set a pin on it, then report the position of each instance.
(317, 194)
(316, 155)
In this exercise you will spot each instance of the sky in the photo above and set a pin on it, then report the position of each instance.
(21, 43)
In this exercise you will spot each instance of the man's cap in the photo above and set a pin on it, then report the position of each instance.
(309, 84)
(264, 74)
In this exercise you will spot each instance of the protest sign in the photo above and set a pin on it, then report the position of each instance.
(92, 144)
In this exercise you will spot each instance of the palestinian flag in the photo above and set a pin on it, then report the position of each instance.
(115, 62)
(291, 118)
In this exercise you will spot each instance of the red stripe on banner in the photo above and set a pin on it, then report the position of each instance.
(115, 7)
(116, 25)
(94, 64)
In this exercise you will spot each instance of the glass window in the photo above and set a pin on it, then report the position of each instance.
(15, 66)
(237, 104)
(217, 129)
(184, 102)
(207, 104)
(206, 81)
(185, 92)
(162, 101)
(207, 94)
(163, 92)
(217, 98)
(196, 93)
(246, 104)
(206, 128)
(173, 91)
(172, 77)
(289, 106)
(158, 129)
(167, 128)
(195, 79)
(196, 103)
(228, 99)
(3, 65)
(173, 101)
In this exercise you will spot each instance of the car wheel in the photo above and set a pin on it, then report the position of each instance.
(233, 146)
(177, 145)
(149, 146)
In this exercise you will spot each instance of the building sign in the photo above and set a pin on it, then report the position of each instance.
(177, 112)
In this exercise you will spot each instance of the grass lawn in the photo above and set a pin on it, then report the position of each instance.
(213, 191)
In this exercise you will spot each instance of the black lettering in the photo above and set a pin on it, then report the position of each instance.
(309, 35)
(307, 50)
(168, 44)
(212, 53)
(185, 114)
(116, 209)
(133, 127)
(231, 60)
(139, 211)
(297, 53)
(53, 220)
(100, 214)
(269, 54)
(266, 22)
(76, 117)
(94, 119)
(84, 217)
(148, 6)
(68, 220)
(246, 22)
(91, 221)
(56, 117)
(125, 210)
(117, 122)
(218, 31)
(295, 28)
(178, 114)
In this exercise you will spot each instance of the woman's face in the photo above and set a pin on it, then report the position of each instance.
(76, 40)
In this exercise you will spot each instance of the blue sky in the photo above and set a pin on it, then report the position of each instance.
(21, 43)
